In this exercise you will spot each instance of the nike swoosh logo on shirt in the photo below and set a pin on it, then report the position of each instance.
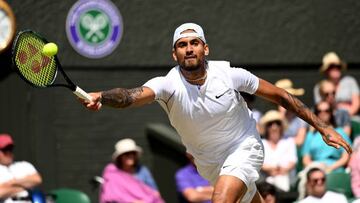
(220, 95)
(225, 166)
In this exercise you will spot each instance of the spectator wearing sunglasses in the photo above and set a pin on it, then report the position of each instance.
(342, 117)
(280, 153)
(16, 177)
(315, 151)
(347, 88)
(315, 188)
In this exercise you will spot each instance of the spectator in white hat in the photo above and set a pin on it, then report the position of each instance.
(347, 89)
(203, 102)
(280, 153)
(125, 179)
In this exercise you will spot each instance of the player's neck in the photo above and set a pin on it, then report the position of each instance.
(195, 77)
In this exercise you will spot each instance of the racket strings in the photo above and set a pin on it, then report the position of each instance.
(34, 66)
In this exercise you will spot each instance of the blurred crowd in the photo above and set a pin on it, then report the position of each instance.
(297, 161)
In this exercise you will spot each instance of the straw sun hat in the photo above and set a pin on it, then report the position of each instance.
(124, 146)
(331, 58)
(288, 86)
(270, 116)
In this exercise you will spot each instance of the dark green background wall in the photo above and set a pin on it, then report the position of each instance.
(69, 145)
(244, 32)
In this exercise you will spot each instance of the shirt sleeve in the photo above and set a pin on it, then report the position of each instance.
(161, 86)
(24, 168)
(244, 80)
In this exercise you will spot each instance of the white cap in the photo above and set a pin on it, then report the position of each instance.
(125, 145)
(198, 32)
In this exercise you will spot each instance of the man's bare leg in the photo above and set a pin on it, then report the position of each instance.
(229, 189)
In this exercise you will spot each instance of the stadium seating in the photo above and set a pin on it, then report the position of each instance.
(66, 195)
(340, 182)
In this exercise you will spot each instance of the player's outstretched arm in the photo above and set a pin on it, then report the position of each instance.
(290, 102)
(120, 98)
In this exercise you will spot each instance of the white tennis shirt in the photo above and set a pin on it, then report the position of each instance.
(16, 170)
(211, 119)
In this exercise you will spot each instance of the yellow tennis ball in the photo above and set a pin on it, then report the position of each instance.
(50, 49)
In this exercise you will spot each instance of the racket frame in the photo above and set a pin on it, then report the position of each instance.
(70, 85)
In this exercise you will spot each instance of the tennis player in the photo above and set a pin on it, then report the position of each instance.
(204, 105)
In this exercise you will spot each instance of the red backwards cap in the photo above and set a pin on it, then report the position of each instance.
(5, 140)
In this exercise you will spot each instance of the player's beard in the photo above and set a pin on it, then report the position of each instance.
(192, 64)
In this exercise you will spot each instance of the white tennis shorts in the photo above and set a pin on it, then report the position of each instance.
(244, 163)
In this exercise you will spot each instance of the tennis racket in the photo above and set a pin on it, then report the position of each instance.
(36, 68)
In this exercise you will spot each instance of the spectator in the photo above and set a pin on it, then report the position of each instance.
(268, 192)
(314, 178)
(296, 126)
(315, 151)
(327, 92)
(347, 88)
(280, 153)
(126, 180)
(192, 187)
(16, 177)
(354, 165)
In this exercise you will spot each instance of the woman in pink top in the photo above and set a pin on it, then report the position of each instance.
(125, 180)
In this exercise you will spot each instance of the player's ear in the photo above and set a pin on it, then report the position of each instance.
(206, 50)
(174, 54)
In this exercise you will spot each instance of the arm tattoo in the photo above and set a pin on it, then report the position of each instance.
(120, 97)
(293, 104)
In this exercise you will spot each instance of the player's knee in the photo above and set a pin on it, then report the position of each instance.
(219, 197)
(227, 195)
(228, 189)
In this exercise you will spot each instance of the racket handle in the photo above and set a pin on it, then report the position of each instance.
(82, 94)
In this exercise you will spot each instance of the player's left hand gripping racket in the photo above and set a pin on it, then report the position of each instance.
(36, 68)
